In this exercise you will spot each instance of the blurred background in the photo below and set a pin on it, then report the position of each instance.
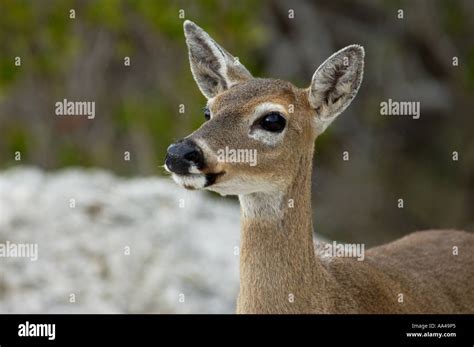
(137, 110)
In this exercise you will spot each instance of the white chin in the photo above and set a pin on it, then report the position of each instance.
(241, 187)
(192, 181)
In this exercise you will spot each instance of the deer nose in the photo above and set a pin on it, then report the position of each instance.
(182, 155)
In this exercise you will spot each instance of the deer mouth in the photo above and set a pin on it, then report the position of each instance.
(211, 178)
(194, 181)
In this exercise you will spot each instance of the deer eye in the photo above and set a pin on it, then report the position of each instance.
(273, 122)
(207, 113)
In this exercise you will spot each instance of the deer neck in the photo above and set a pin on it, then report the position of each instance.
(279, 271)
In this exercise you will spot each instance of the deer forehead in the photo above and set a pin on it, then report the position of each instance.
(256, 96)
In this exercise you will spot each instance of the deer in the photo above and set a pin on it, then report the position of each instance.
(281, 271)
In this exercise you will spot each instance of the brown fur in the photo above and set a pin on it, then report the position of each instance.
(279, 270)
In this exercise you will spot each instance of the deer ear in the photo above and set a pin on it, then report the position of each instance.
(213, 68)
(335, 83)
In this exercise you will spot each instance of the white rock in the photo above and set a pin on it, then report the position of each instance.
(173, 250)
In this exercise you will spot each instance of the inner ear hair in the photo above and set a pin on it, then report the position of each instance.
(336, 82)
(214, 69)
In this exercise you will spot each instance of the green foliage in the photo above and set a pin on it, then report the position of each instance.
(144, 118)
(17, 140)
(454, 18)
(470, 69)
(108, 14)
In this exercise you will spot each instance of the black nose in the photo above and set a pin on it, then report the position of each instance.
(181, 155)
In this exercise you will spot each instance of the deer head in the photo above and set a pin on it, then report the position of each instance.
(272, 118)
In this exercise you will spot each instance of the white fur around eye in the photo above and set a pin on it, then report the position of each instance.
(209, 104)
(266, 137)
